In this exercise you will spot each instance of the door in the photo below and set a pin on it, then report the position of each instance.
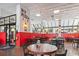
(7, 34)
(12, 34)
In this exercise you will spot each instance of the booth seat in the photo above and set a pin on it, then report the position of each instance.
(22, 37)
(70, 36)
(2, 38)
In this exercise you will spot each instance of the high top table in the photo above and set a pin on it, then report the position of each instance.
(41, 49)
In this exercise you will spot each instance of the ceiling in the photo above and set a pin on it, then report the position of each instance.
(41, 5)
(7, 9)
(68, 11)
(46, 9)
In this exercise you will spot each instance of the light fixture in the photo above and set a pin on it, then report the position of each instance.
(76, 17)
(56, 11)
(12, 29)
(38, 15)
(57, 19)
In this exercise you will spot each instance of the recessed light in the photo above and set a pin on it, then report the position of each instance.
(56, 11)
(76, 17)
(38, 15)
(56, 19)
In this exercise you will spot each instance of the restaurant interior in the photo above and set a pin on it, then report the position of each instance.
(39, 29)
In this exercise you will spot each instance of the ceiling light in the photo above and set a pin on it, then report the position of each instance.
(56, 19)
(56, 11)
(76, 17)
(38, 15)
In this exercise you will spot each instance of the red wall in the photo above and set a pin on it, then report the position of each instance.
(3, 38)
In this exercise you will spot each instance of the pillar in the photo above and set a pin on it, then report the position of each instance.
(18, 22)
(18, 17)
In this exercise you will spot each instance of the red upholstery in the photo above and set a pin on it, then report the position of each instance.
(71, 35)
(3, 38)
(23, 36)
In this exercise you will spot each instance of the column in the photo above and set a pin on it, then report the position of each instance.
(18, 22)
(18, 17)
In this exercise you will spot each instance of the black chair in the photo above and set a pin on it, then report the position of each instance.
(34, 41)
(61, 54)
(53, 42)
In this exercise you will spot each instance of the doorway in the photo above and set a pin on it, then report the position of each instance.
(8, 25)
(10, 34)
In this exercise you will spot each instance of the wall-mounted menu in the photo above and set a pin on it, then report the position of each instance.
(12, 19)
(1, 21)
(7, 20)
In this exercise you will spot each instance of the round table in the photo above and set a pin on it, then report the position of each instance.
(41, 49)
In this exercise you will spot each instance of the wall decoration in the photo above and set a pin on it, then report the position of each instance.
(25, 20)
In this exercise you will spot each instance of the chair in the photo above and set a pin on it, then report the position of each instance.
(61, 54)
(53, 42)
(28, 42)
(34, 41)
(25, 51)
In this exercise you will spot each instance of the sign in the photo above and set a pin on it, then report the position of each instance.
(1, 21)
(7, 20)
(12, 19)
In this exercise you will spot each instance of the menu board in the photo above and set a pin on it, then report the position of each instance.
(12, 19)
(1, 21)
(7, 20)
